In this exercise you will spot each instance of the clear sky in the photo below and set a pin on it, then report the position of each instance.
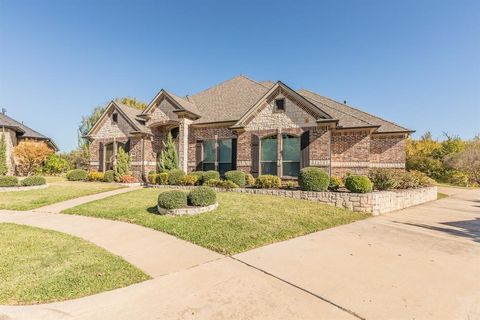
(414, 62)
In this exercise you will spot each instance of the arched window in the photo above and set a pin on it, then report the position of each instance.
(290, 155)
(269, 155)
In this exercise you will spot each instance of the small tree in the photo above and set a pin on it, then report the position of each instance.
(56, 164)
(3, 155)
(468, 161)
(29, 155)
(168, 158)
(122, 166)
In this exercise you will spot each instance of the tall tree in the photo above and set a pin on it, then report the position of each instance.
(3, 154)
(168, 158)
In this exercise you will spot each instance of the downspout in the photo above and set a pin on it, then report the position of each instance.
(330, 154)
(143, 159)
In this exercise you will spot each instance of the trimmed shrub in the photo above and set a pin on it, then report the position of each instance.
(8, 181)
(172, 199)
(225, 184)
(109, 176)
(268, 181)
(236, 176)
(202, 197)
(95, 176)
(198, 174)
(313, 179)
(358, 184)
(77, 175)
(335, 183)
(152, 177)
(34, 181)
(211, 174)
(189, 180)
(384, 179)
(406, 180)
(249, 180)
(422, 180)
(126, 178)
(289, 185)
(175, 177)
(162, 178)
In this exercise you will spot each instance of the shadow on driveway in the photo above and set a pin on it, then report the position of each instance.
(467, 228)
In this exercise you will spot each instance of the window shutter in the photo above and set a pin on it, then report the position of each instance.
(255, 155)
(198, 155)
(305, 149)
(234, 154)
(100, 157)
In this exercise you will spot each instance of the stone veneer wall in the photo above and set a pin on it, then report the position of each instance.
(377, 202)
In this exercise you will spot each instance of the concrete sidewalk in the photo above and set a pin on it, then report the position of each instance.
(418, 263)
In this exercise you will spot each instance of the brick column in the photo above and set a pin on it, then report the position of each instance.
(183, 143)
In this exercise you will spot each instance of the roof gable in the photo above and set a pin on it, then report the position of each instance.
(179, 103)
(129, 114)
(292, 95)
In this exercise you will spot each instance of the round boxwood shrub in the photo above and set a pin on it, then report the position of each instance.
(335, 183)
(268, 181)
(236, 176)
(358, 184)
(175, 177)
(34, 181)
(172, 199)
(209, 175)
(202, 197)
(77, 175)
(313, 179)
(8, 181)
(109, 176)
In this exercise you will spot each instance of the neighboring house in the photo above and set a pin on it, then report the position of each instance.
(15, 132)
(255, 127)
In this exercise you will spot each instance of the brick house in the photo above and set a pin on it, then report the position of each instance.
(255, 127)
(14, 133)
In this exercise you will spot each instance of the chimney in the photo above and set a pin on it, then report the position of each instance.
(4, 111)
(344, 101)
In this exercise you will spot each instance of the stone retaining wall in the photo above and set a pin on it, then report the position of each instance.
(375, 202)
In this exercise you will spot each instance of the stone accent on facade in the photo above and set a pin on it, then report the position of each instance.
(183, 134)
(376, 202)
(292, 117)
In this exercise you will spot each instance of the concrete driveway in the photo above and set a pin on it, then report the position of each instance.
(418, 263)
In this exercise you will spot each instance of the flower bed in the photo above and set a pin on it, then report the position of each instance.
(376, 202)
(189, 211)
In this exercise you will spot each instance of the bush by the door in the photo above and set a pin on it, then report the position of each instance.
(358, 184)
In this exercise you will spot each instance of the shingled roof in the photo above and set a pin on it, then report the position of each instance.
(231, 99)
(22, 130)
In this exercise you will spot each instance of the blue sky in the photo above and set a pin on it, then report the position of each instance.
(414, 62)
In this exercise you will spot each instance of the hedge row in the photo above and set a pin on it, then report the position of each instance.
(107, 176)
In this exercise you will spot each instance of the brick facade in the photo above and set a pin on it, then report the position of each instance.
(336, 150)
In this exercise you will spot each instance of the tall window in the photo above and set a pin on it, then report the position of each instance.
(209, 155)
(217, 156)
(290, 155)
(269, 155)
(225, 156)
(109, 156)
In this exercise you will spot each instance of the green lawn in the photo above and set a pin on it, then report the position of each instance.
(241, 222)
(441, 195)
(39, 266)
(56, 192)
